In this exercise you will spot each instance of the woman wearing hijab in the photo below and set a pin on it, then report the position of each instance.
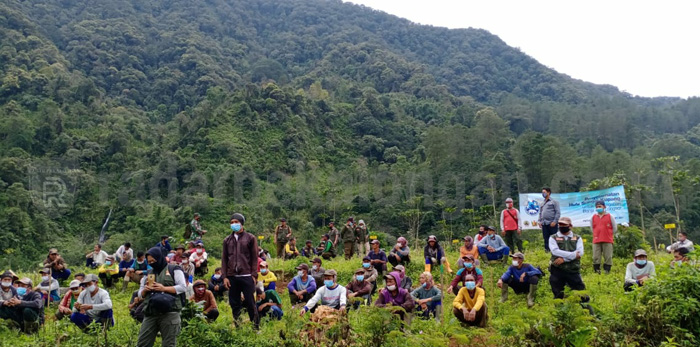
(400, 254)
(468, 248)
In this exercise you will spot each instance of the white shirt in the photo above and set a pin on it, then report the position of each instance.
(100, 302)
(180, 283)
(568, 256)
(329, 297)
(680, 244)
(98, 258)
(194, 257)
(120, 253)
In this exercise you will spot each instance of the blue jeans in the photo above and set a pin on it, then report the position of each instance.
(83, 320)
(271, 286)
(273, 311)
(495, 255)
(432, 307)
(60, 275)
(548, 231)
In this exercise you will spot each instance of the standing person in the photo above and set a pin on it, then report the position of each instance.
(302, 286)
(377, 257)
(239, 263)
(359, 288)
(124, 252)
(290, 249)
(197, 231)
(165, 244)
(333, 236)
(162, 291)
(639, 271)
(93, 305)
(363, 238)
(511, 226)
(65, 307)
(26, 309)
(95, 258)
(58, 267)
(427, 296)
(565, 264)
(400, 254)
(523, 278)
(469, 306)
(349, 236)
(492, 247)
(283, 233)
(549, 215)
(603, 227)
(317, 271)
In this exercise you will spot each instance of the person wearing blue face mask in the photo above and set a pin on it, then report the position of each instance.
(639, 271)
(549, 216)
(604, 227)
(239, 265)
(109, 272)
(427, 297)
(371, 273)
(469, 306)
(26, 309)
(302, 286)
(331, 294)
(469, 268)
(359, 288)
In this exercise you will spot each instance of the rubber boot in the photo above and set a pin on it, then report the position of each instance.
(447, 265)
(607, 269)
(504, 292)
(125, 283)
(31, 327)
(531, 295)
(484, 260)
(596, 268)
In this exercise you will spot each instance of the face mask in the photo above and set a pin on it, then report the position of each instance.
(365, 265)
(424, 285)
(544, 195)
(515, 263)
(493, 237)
(328, 283)
(200, 251)
(236, 227)
(470, 285)
(91, 288)
(360, 278)
(263, 271)
(108, 263)
(468, 265)
(201, 290)
(21, 291)
(482, 232)
(564, 230)
(139, 262)
(641, 262)
(509, 205)
(315, 267)
(391, 288)
(300, 273)
(599, 210)
(44, 278)
(216, 277)
(6, 284)
(76, 291)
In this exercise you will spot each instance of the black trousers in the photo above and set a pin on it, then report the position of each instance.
(522, 287)
(548, 231)
(245, 285)
(559, 279)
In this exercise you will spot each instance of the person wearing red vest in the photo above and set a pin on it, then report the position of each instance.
(604, 227)
(511, 227)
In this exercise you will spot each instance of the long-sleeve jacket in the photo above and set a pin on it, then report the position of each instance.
(494, 241)
(298, 284)
(463, 299)
(421, 293)
(371, 274)
(348, 233)
(33, 300)
(360, 288)
(549, 212)
(514, 272)
(240, 255)
(402, 298)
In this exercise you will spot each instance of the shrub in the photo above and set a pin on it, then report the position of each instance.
(627, 240)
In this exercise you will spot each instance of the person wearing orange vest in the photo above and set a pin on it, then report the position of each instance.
(604, 227)
(511, 227)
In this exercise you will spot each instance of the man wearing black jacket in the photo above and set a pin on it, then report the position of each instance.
(26, 309)
(239, 265)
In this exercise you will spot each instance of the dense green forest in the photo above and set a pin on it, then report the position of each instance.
(309, 109)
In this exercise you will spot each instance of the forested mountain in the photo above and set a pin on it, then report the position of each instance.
(308, 109)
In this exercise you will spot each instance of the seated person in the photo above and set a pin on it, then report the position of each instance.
(269, 303)
(680, 256)
(359, 288)
(308, 251)
(392, 295)
(639, 270)
(331, 294)
(109, 272)
(7, 290)
(26, 309)
(188, 270)
(400, 254)
(492, 247)
(523, 278)
(290, 249)
(370, 273)
(48, 287)
(468, 268)
(469, 306)
(468, 248)
(216, 284)
(325, 248)
(58, 267)
(79, 276)
(406, 282)
(127, 260)
(178, 256)
(267, 277)
(124, 252)
(199, 260)
(317, 271)
(206, 299)
(682, 242)
(434, 255)
(302, 287)
(95, 258)
(427, 297)
(65, 308)
(93, 305)
(377, 257)
(136, 305)
(139, 268)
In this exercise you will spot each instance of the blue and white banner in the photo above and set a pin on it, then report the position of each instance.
(580, 206)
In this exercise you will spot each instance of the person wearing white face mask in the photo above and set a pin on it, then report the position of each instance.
(93, 305)
(65, 308)
(26, 309)
(48, 287)
(317, 271)
(199, 259)
(302, 287)
(523, 278)
(393, 295)
(639, 271)
(7, 290)
(469, 306)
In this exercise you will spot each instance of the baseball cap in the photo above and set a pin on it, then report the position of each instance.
(330, 272)
(518, 255)
(26, 281)
(375, 241)
(74, 284)
(53, 251)
(317, 260)
(640, 252)
(89, 278)
(360, 271)
(45, 271)
(565, 220)
(303, 266)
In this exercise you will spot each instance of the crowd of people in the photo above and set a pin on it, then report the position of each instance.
(169, 277)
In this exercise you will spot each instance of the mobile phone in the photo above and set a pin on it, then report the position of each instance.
(151, 279)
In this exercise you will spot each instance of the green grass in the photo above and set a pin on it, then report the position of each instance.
(508, 323)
